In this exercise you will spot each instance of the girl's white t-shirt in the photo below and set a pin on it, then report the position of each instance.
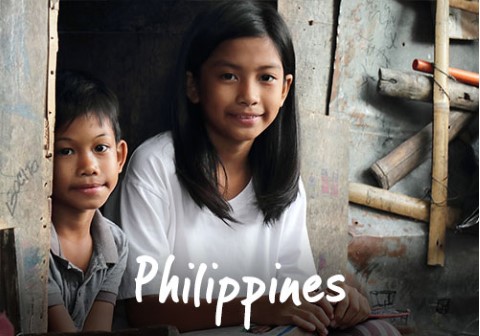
(161, 219)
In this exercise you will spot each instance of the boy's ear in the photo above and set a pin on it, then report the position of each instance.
(192, 90)
(122, 151)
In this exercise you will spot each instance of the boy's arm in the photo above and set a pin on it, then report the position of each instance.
(100, 317)
(59, 319)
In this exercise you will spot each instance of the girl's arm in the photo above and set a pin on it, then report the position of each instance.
(59, 319)
(351, 310)
(100, 317)
(187, 317)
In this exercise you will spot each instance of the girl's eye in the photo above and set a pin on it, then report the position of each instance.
(101, 148)
(65, 151)
(228, 77)
(267, 78)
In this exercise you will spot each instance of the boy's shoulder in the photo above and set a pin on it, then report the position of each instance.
(108, 236)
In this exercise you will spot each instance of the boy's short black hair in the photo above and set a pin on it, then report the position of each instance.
(79, 94)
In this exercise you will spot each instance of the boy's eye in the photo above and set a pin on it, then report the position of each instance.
(228, 76)
(65, 151)
(101, 148)
(267, 78)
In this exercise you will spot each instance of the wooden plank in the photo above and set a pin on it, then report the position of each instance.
(463, 25)
(24, 172)
(161, 330)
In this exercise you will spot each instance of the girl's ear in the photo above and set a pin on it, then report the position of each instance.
(192, 90)
(287, 82)
(122, 150)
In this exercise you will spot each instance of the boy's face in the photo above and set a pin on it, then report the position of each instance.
(87, 162)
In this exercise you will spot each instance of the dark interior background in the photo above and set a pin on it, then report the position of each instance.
(132, 47)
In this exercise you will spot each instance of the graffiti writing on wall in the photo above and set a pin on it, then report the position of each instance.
(21, 178)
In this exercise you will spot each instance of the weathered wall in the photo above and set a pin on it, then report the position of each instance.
(387, 253)
(324, 140)
(24, 169)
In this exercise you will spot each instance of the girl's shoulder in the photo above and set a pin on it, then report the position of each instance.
(160, 144)
(154, 153)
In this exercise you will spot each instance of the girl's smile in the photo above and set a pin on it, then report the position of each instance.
(245, 119)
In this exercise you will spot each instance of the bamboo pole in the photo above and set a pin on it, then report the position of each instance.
(441, 108)
(396, 203)
(412, 152)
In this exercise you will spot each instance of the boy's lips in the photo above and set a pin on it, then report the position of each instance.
(90, 188)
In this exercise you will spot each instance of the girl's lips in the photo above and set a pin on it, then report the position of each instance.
(249, 116)
(246, 119)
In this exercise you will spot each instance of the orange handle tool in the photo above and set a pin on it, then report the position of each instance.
(460, 75)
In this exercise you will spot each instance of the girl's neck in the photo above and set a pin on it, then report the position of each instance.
(235, 174)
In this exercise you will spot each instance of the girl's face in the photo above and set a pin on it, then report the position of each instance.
(241, 88)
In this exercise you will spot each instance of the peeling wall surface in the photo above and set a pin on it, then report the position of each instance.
(324, 140)
(387, 253)
(24, 171)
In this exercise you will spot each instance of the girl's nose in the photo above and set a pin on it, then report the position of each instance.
(87, 164)
(248, 93)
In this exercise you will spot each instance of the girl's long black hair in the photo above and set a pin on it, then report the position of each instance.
(274, 155)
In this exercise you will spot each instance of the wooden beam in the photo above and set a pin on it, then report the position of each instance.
(418, 87)
(466, 5)
(396, 203)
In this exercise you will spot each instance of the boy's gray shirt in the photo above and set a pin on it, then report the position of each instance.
(77, 291)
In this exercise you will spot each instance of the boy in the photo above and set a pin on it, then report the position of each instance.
(88, 252)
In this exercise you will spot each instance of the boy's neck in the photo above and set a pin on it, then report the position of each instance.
(71, 222)
(73, 232)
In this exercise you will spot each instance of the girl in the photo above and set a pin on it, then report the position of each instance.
(222, 188)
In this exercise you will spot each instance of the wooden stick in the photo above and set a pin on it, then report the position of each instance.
(441, 108)
(469, 6)
(396, 203)
(412, 152)
(464, 76)
(418, 87)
